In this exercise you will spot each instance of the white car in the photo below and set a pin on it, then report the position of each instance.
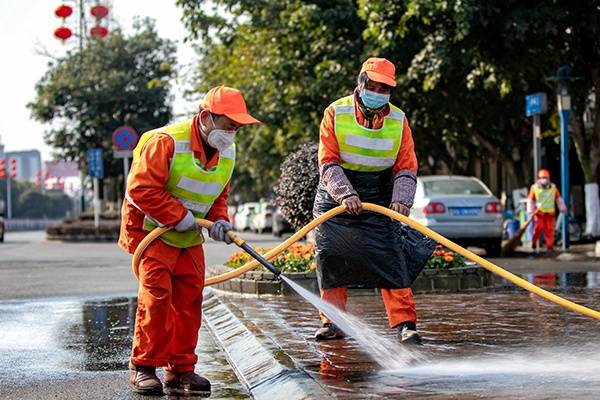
(460, 208)
(244, 216)
(263, 220)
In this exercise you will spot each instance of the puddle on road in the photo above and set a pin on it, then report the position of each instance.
(54, 340)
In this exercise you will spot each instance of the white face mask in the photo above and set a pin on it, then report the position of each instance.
(544, 181)
(220, 139)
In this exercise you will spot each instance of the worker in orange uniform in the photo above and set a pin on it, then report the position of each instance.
(179, 172)
(543, 196)
(366, 153)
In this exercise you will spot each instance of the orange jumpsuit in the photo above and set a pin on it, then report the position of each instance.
(171, 280)
(544, 222)
(399, 303)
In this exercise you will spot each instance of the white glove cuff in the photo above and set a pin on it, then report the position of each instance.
(186, 223)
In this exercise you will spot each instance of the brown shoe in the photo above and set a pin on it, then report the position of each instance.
(186, 384)
(143, 380)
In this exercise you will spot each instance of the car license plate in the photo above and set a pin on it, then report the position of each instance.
(464, 211)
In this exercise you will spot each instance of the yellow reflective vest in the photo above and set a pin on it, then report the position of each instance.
(364, 149)
(196, 187)
(545, 198)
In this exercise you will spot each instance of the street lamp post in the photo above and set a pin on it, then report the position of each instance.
(563, 80)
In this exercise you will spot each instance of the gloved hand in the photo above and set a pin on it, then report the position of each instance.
(219, 231)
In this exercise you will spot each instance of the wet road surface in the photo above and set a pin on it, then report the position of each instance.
(79, 349)
(491, 345)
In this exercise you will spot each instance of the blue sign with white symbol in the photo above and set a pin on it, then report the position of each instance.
(95, 163)
(125, 138)
(536, 104)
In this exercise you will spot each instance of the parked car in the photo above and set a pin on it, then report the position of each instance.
(244, 215)
(460, 208)
(231, 211)
(280, 224)
(2, 226)
(263, 220)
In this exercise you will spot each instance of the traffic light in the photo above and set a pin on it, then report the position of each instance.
(2, 168)
(13, 168)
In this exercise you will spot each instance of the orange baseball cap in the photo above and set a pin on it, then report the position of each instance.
(228, 101)
(380, 70)
(543, 173)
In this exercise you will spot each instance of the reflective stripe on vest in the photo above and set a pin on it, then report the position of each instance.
(363, 149)
(545, 198)
(196, 187)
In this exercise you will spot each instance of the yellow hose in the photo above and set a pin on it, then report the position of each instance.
(385, 211)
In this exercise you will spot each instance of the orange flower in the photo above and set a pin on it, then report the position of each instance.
(448, 258)
(313, 266)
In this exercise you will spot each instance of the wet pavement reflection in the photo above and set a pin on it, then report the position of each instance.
(500, 344)
(65, 345)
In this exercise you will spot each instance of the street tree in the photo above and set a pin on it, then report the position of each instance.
(118, 80)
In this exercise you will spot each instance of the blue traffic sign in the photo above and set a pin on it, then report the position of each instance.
(536, 104)
(124, 138)
(95, 163)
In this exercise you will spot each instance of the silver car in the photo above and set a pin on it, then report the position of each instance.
(460, 208)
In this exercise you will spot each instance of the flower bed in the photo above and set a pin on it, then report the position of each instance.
(297, 258)
(444, 272)
(445, 259)
(83, 230)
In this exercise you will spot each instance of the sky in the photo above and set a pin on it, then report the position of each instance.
(27, 25)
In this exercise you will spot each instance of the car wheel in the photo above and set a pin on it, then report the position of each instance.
(493, 248)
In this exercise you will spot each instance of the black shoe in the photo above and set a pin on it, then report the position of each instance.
(329, 332)
(407, 332)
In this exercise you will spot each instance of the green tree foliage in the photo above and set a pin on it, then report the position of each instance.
(289, 58)
(113, 81)
(464, 68)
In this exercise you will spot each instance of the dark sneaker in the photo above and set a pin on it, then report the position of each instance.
(329, 332)
(186, 384)
(407, 332)
(143, 380)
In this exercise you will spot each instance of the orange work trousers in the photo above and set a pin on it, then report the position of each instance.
(544, 222)
(399, 304)
(169, 307)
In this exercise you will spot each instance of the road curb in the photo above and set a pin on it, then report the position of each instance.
(266, 370)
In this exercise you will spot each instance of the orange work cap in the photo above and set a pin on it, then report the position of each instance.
(228, 101)
(543, 173)
(380, 70)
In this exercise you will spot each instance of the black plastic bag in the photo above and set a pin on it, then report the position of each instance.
(368, 250)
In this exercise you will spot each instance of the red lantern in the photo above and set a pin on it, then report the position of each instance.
(63, 11)
(99, 11)
(2, 168)
(63, 33)
(99, 31)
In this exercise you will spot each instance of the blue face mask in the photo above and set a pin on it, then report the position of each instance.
(373, 100)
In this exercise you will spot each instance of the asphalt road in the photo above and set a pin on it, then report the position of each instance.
(31, 267)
